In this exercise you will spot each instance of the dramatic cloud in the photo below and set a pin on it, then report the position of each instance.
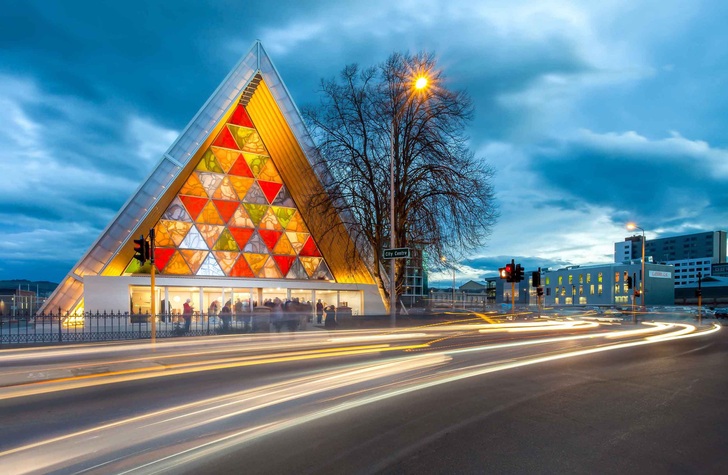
(592, 113)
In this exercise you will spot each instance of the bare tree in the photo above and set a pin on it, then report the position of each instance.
(442, 193)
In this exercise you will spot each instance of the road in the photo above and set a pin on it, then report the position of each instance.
(467, 396)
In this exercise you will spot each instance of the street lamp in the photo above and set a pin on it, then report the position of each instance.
(631, 227)
(420, 83)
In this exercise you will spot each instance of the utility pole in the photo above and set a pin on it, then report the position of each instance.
(153, 305)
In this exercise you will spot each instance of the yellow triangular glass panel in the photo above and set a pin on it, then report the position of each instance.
(247, 139)
(270, 270)
(284, 246)
(256, 261)
(270, 221)
(297, 240)
(208, 163)
(226, 191)
(177, 265)
(284, 215)
(193, 187)
(209, 215)
(194, 258)
(241, 184)
(296, 223)
(310, 264)
(225, 157)
(170, 233)
(269, 173)
(241, 219)
(255, 162)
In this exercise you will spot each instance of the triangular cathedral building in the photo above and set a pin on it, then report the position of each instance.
(228, 205)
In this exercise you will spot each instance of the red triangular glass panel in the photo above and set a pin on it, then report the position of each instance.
(240, 117)
(241, 268)
(193, 204)
(226, 208)
(309, 249)
(241, 168)
(241, 235)
(225, 139)
(270, 237)
(270, 189)
(161, 257)
(284, 263)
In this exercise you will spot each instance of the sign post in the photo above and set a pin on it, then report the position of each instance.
(397, 253)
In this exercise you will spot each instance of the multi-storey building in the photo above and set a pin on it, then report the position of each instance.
(689, 254)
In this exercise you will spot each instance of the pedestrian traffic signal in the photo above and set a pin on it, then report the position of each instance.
(141, 250)
(535, 279)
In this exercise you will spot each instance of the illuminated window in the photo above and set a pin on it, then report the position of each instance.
(588, 278)
(599, 278)
(234, 216)
(581, 278)
(599, 289)
(591, 289)
(561, 280)
(616, 277)
(571, 279)
(547, 280)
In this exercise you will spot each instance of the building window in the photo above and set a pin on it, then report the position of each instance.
(571, 279)
(599, 289)
(599, 278)
(547, 280)
(616, 277)
(581, 278)
(588, 278)
(616, 288)
(591, 289)
(561, 280)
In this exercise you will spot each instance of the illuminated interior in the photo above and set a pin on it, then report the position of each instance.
(234, 216)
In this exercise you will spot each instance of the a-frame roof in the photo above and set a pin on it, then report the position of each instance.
(255, 83)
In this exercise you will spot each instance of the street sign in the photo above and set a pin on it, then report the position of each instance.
(398, 253)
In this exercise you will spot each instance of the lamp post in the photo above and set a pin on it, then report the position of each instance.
(631, 227)
(419, 84)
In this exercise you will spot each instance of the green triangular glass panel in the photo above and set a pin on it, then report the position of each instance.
(209, 163)
(226, 242)
(256, 212)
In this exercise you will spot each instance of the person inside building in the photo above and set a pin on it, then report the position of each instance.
(187, 309)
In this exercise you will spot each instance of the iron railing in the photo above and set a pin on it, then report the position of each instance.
(90, 327)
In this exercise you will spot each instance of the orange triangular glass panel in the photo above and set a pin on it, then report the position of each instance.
(256, 261)
(208, 163)
(310, 264)
(270, 270)
(255, 162)
(209, 215)
(226, 191)
(240, 117)
(225, 157)
(170, 233)
(296, 223)
(226, 260)
(270, 237)
(269, 173)
(193, 204)
(241, 268)
(241, 184)
(226, 208)
(284, 246)
(241, 235)
(309, 249)
(161, 257)
(284, 263)
(225, 140)
(193, 187)
(270, 189)
(210, 233)
(270, 221)
(241, 168)
(194, 258)
(241, 219)
(177, 265)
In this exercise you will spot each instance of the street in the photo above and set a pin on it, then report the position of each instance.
(466, 396)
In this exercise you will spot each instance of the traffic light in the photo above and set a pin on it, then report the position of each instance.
(535, 279)
(629, 281)
(141, 250)
(699, 293)
(539, 291)
(519, 273)
(507, 273)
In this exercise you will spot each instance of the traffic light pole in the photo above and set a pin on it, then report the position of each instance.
(153, 306)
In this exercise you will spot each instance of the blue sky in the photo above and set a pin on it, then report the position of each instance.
(592, 114)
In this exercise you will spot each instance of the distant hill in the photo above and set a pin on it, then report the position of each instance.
(43, 287)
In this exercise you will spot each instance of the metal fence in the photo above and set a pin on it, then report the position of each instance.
(67, 328)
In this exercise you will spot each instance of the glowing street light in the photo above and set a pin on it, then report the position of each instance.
(419, 85)
(632, 227)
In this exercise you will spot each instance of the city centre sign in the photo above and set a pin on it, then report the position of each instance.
(397, 253)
